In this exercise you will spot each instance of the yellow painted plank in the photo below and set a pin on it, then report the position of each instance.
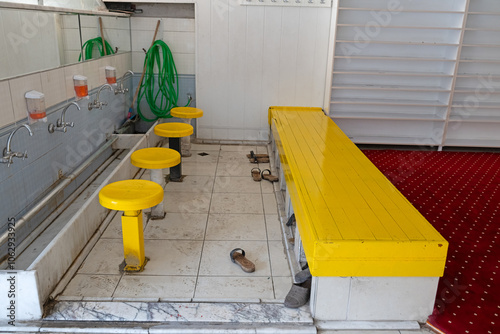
(338, 199)
(319, 163)
(370, 172)
(378, 213)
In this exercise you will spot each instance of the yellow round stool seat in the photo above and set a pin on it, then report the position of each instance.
(186, 112)
(173, 130)
(155, 158)
(131, 195)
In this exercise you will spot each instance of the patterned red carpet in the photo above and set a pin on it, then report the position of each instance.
(459, 194)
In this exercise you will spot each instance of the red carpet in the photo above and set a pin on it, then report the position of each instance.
(459, 194)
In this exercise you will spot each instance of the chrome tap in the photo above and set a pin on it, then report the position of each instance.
(61, 123)
(8, 155)
(98, 104)
(121, 90)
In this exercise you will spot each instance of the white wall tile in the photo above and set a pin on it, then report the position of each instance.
(178, 24)
(185, 63)
(138, 61)
(89, 21)
(180, 41)
(142, 39)
(71, 39)
(6, 112)
(53, 86)
(90, 33)
(145, 23)
(111, 22)
(18, 87)
(70, 21)
(71, 57)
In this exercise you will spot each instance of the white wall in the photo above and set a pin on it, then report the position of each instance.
(252, 57)
(177, 33)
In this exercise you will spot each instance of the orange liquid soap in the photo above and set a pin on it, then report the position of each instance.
(111, 80)
(38, 114)
(82, 91)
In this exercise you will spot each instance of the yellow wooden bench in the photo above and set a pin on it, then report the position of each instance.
(352, 221)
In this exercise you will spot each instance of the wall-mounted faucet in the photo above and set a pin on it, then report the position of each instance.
(121, 90)
(61, 123)
(8, 155)
(98, 104)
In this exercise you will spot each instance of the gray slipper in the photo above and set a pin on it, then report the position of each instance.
(303, 276)
(298, 295)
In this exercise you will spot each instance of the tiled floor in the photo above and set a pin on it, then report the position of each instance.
(218, 207)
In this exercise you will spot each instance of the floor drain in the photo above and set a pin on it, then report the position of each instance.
(202, 154)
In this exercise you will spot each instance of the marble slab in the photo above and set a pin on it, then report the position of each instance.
(179, 312)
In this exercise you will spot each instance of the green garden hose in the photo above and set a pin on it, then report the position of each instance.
(88, 48)
(161, 96)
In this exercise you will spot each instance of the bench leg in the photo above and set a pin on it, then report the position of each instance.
(176, 171)
(158, 211)
(133, 241)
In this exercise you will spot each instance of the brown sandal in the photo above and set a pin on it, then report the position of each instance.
(240, 259)
(256, 174)
(269, 177)
(257, 158)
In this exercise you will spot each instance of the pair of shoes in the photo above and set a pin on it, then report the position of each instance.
(240, 259)
(258, 175)
(298, 295)
(269, 177)
(257, 158)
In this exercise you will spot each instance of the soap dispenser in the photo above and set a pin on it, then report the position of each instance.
(81, 87)
(35, 102)
(111, 75)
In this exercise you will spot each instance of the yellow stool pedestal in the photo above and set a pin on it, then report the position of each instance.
(187, 114)
(174, 131)
(132, 196)
(156, 159)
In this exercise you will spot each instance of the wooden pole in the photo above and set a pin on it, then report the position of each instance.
(102, 37)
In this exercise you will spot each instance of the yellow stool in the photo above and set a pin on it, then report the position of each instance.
(174, 131)
(132, 196)
(186, 114)
(156, 159)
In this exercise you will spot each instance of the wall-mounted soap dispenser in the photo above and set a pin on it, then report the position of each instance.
(35, 102)
(111, 75)
(81, 87)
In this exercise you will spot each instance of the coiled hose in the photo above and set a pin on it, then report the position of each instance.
(88, 48)
(161, 96)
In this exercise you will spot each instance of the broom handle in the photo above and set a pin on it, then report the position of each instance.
(144, 69)
(102, 37)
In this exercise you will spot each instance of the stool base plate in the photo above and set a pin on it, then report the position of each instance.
(124, 268)
(177, 180)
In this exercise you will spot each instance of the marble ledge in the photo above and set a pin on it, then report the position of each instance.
(179, 312)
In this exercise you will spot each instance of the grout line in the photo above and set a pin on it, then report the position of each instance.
(267, 237)
(206, 225)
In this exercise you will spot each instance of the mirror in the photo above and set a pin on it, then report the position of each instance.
(116, 31)
(32, 40)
